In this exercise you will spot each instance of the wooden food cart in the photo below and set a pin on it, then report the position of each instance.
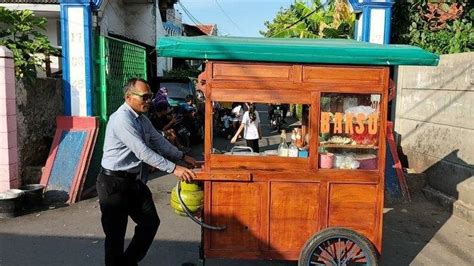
(322, 208)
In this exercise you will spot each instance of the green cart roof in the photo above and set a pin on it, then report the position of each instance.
(327, 51)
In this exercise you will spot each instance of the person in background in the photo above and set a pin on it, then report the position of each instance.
(192, 119)
(190, 103)
(161, 96)
(226, 120)
(164, 122)
(251, 127)
(131, 144)
(237, 113)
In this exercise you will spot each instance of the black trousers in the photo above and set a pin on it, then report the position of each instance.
(253, 143)
(120, 198)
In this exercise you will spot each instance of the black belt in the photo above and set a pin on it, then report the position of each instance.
(120, 174)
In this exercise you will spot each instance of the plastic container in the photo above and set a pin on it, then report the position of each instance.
(33, 196)
(338, 160)
(303, 154)
(10, 203)
(367, 161)
(326, 160)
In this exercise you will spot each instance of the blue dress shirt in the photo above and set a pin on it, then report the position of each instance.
(131, 140)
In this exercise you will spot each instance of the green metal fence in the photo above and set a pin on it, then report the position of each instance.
(119, 61)
(116, 61)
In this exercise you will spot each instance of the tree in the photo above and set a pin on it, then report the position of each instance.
(330, 20)
(442, 27)
(19, 32)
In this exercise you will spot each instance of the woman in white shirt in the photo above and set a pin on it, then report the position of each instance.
(251, 126)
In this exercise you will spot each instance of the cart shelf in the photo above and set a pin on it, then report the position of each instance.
(349, 146)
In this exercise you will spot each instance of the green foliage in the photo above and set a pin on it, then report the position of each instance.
(181, 73)
(442, 27)
(299, 111)
(330, 20)
(20, 32)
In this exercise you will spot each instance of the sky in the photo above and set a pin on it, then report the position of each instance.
(233, 17)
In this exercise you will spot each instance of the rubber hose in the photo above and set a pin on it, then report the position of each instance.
(188, 213)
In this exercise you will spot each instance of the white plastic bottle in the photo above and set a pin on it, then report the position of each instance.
(292, 150)
(283, 147)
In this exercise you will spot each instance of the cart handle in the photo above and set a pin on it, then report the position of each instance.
(241, 148)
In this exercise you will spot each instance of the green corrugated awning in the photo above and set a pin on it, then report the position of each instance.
(327, 51)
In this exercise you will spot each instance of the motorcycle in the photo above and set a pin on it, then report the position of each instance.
(181, 130)
(276, 117)
(192, 120)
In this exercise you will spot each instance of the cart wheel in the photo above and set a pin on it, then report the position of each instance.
(337, 246)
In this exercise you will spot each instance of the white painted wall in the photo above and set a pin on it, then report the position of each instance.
(135, 21)
(140, 23)
(111, 19)
(52, 31)
(161, 62)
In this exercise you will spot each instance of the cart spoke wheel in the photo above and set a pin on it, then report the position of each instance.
(339, 251)
(338, 246)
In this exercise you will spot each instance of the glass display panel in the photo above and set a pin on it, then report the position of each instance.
(260, 129)
(349, 131)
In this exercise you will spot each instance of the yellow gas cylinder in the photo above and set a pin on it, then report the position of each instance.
(192, 196)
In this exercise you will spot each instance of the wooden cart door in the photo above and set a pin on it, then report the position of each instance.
(294, 209)
(236, 205)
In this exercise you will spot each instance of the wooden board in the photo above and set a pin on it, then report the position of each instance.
(69, 157)
(233, 71)
(396, 184)
(344, 75)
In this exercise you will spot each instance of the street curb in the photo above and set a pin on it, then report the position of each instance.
(438, 197)
(464, 211)
(456, 207)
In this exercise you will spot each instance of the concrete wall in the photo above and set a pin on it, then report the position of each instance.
(38, 104)
(135, 21)
(435, 120)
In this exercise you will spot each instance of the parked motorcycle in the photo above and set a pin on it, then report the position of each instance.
(276, 116)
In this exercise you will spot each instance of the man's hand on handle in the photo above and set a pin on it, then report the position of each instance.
(184, 174)
(190, 161)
